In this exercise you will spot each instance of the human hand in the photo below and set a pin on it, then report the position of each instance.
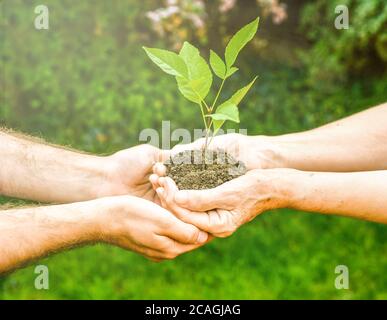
(128, 172)
(146, 228)
(222, 210)
(256, 152)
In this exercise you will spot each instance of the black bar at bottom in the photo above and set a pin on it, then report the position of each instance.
(194, 309)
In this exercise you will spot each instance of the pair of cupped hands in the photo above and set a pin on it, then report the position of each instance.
(166, 222)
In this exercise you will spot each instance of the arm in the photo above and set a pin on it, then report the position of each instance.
(129, 222)
(222, 210)
(361, 195)
(37, 171)
(355, 143)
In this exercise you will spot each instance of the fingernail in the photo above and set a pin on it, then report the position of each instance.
(203, 236)
(181, 197)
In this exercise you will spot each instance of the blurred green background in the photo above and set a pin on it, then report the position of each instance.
(87, 83)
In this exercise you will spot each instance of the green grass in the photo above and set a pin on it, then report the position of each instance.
(283, 254)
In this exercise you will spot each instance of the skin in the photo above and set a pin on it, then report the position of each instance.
(59, 175)
(125, 221)
(296, 175)
(62, 176)
(355, 143)
(128, 215)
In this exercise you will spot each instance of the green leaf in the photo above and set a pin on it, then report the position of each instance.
(240, 94)
(168, 61)
(239, 40)
(226, 111)
(217, 65)
(190, 88)
(197, 84)
(231, 71)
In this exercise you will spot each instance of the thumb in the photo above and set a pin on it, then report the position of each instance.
(199, 200)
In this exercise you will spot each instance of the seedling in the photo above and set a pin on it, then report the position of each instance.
(194, 77)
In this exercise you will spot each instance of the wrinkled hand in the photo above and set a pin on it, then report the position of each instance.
(222, 210)
(146, 228)
(128, 172)
(257, 152)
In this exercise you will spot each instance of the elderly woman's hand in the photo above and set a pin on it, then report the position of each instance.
(222, 210)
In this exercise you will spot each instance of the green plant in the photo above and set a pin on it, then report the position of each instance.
(194, 77)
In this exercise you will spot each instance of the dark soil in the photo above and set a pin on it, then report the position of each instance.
(194, 169)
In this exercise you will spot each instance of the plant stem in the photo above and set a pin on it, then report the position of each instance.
(203, 115)
(208, 129)
(206, 105)
(211, 140)
(218, 94)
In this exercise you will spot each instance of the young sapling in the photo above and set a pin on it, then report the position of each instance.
(194, 80)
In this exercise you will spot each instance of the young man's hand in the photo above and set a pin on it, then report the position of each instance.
(128, 171)
(27, 234)
(37, 171)
(146, 228)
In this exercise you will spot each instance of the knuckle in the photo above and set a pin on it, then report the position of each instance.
(162, 245)
(192, 236)
(165, 224)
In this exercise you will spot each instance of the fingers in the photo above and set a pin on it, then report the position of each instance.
(185, 233)
(194, 200)
(154, 180)
(168, 249)
(160, 169)
(169, 242)
(153, 255)
(220, 223)
(199, 200)
(173, 248)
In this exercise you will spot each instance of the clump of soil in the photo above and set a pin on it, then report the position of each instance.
(196, 169)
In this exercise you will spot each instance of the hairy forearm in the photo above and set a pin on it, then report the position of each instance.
(31, 233)
(360, 195)
(356, 143)
(45, 173)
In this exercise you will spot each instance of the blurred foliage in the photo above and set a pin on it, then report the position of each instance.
(359, 51)
(86, 82)
(179, 20)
